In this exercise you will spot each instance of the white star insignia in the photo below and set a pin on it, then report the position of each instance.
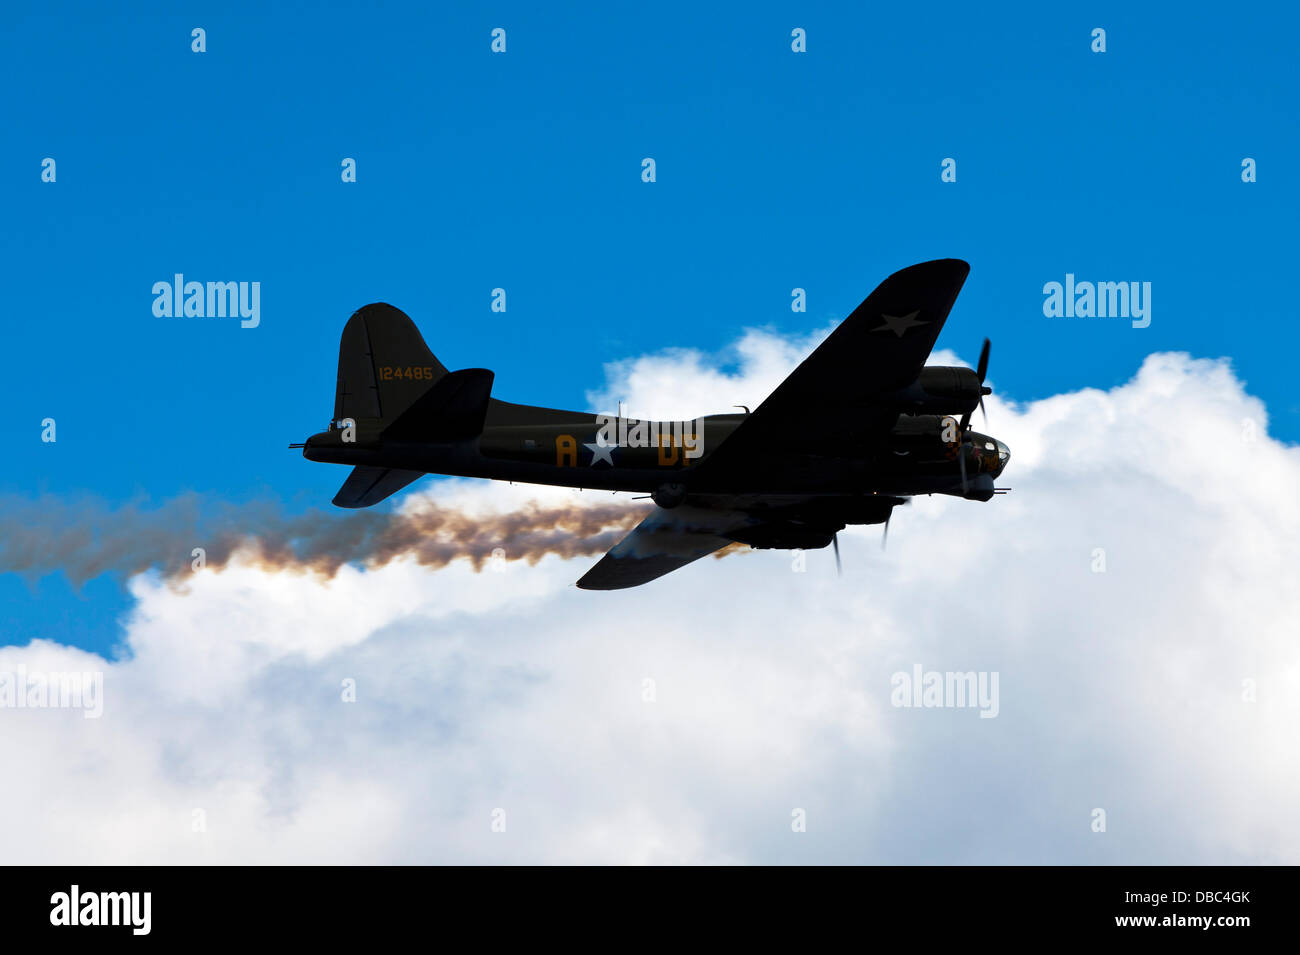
(601, 452)
(898, 324)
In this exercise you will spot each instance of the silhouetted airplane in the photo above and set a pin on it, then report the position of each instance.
(859, 427)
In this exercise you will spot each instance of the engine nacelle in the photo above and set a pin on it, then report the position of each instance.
(950, 381)
(785, 535)
(940, 389)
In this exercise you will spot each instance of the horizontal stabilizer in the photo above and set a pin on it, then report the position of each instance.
(452, 410)
(367, 485)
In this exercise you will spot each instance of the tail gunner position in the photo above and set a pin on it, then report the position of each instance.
(858, 428)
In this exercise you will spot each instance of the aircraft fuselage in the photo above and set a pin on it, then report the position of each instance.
(568, 449)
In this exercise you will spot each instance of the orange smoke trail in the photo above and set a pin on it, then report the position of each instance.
(86, 539)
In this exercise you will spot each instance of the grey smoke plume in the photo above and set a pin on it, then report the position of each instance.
(85, 539)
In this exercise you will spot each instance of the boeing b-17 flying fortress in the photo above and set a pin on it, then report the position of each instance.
(858, 428)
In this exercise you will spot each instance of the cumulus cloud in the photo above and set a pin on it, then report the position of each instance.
(692, 719)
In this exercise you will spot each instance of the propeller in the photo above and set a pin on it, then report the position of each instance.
(884, 538)
(835, 541)
(981, 371)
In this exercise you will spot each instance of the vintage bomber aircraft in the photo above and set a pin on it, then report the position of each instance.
(858, 428)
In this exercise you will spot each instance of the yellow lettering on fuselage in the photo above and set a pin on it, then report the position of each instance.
(566, 446)
(673, 452)
(665, 459)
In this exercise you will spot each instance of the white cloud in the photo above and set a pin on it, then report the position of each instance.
(1119, 690)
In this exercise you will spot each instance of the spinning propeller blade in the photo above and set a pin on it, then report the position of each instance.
(981, 371)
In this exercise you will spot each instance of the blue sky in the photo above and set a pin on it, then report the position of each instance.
(775, 170)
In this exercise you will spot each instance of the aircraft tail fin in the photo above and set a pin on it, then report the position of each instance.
(384, 367)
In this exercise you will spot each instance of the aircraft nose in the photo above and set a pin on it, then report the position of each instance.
(1004, 455)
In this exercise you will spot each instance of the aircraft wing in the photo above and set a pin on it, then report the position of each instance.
(367, 485)
(832, 396)
(662, 542)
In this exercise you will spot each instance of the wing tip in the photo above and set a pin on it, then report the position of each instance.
(592, 580)
(954, 265)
